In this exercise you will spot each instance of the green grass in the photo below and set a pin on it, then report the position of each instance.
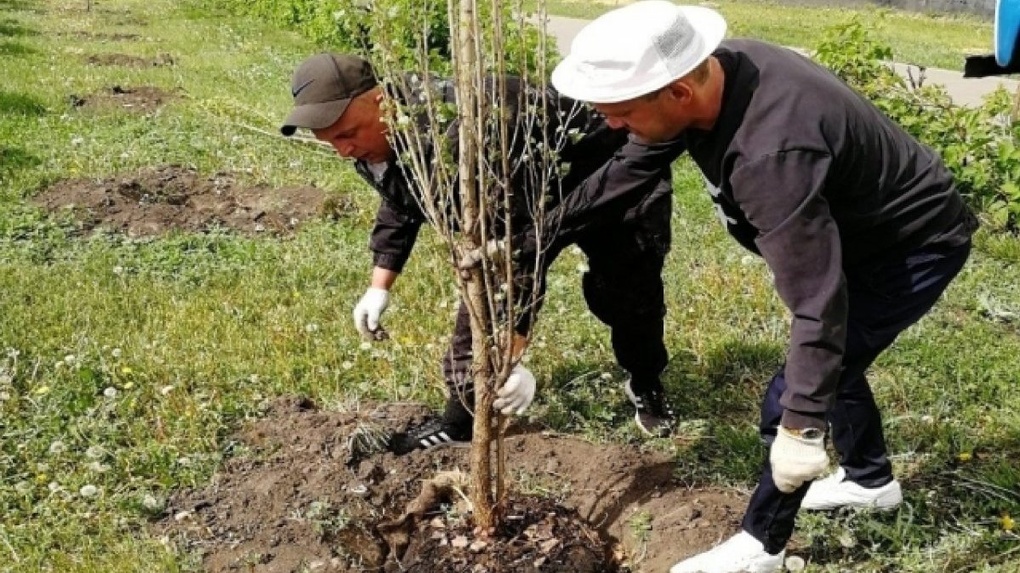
(924, 39)
(126, 364)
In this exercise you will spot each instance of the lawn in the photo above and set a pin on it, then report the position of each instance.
(126, 364)
(918, 38)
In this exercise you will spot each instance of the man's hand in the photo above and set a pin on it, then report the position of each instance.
(493, 250)
(517, 393)
(796, 458)
(369, 310)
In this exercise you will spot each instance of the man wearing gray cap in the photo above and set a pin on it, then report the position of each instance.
(860, 224)
(339, 99)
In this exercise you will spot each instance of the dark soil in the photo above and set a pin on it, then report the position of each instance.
(142, 99)
(125, 60)
(312, 490)
(155, 201)
(102, 36)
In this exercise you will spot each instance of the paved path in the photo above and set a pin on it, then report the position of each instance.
(964, 91)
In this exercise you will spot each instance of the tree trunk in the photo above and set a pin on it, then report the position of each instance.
(468, 110)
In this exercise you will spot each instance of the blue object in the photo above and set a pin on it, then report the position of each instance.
(1007, 30)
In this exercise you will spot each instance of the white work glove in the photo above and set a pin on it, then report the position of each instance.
(369, 310)
(797, 459)
(517, 393)
(493, 250)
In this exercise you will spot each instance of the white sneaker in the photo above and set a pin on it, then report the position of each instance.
(741, 553)
(836, 491)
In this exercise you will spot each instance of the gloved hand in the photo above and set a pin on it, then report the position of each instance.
(797, 459)
(517, 393)
(368, 312)
(493, 249)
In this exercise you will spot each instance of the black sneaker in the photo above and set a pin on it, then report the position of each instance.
(654, 415)
(433, 434)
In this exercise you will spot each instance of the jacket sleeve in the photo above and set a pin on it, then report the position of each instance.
(625, 180)
(393, 237)
(781, 195)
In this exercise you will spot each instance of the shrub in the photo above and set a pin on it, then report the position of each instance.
(356, 26)
(978, 144)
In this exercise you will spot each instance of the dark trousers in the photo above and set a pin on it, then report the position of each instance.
(884, 300)
(623, 288)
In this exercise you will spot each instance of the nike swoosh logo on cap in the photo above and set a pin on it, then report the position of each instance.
(295, 91)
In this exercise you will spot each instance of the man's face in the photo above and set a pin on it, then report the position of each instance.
(653, 118)
(360, 133)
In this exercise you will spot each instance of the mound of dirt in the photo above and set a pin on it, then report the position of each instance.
(310, 489)
(155, 201)
(125, 60)
(143, 99)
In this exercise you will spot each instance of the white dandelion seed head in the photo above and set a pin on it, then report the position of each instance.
(150, 503)
(110, 392)
(98, 467)
(88, 490)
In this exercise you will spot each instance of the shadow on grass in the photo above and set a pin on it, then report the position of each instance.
(971, 496)
(14, 159)
(728, 382)
(12, 28)
(15, 49)
(12, 103)
(16, 5)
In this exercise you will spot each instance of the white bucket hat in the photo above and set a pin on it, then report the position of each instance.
(637, 49)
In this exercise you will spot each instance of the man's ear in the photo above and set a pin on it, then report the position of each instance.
(681, 91)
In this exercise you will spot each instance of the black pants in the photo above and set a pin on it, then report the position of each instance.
(884, 300)
(623, 288)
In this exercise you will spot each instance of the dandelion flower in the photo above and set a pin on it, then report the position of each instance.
(965, 456)
(88, 490)
(110, 392)
(1007, 522)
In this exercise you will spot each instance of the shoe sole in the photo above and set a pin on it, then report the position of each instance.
(867, 506)
(645, 431)
(637, 415)
(874, 505)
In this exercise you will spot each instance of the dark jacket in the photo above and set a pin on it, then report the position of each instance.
(590, 143)
(815, 179)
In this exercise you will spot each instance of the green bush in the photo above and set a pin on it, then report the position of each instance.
(978, 144)
(403, 26)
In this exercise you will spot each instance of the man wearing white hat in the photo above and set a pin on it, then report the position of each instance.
(860, 224)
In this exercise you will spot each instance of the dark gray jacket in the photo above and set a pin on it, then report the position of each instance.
(815, 179)
(400, 215)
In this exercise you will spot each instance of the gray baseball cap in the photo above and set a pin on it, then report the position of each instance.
(323, 86)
